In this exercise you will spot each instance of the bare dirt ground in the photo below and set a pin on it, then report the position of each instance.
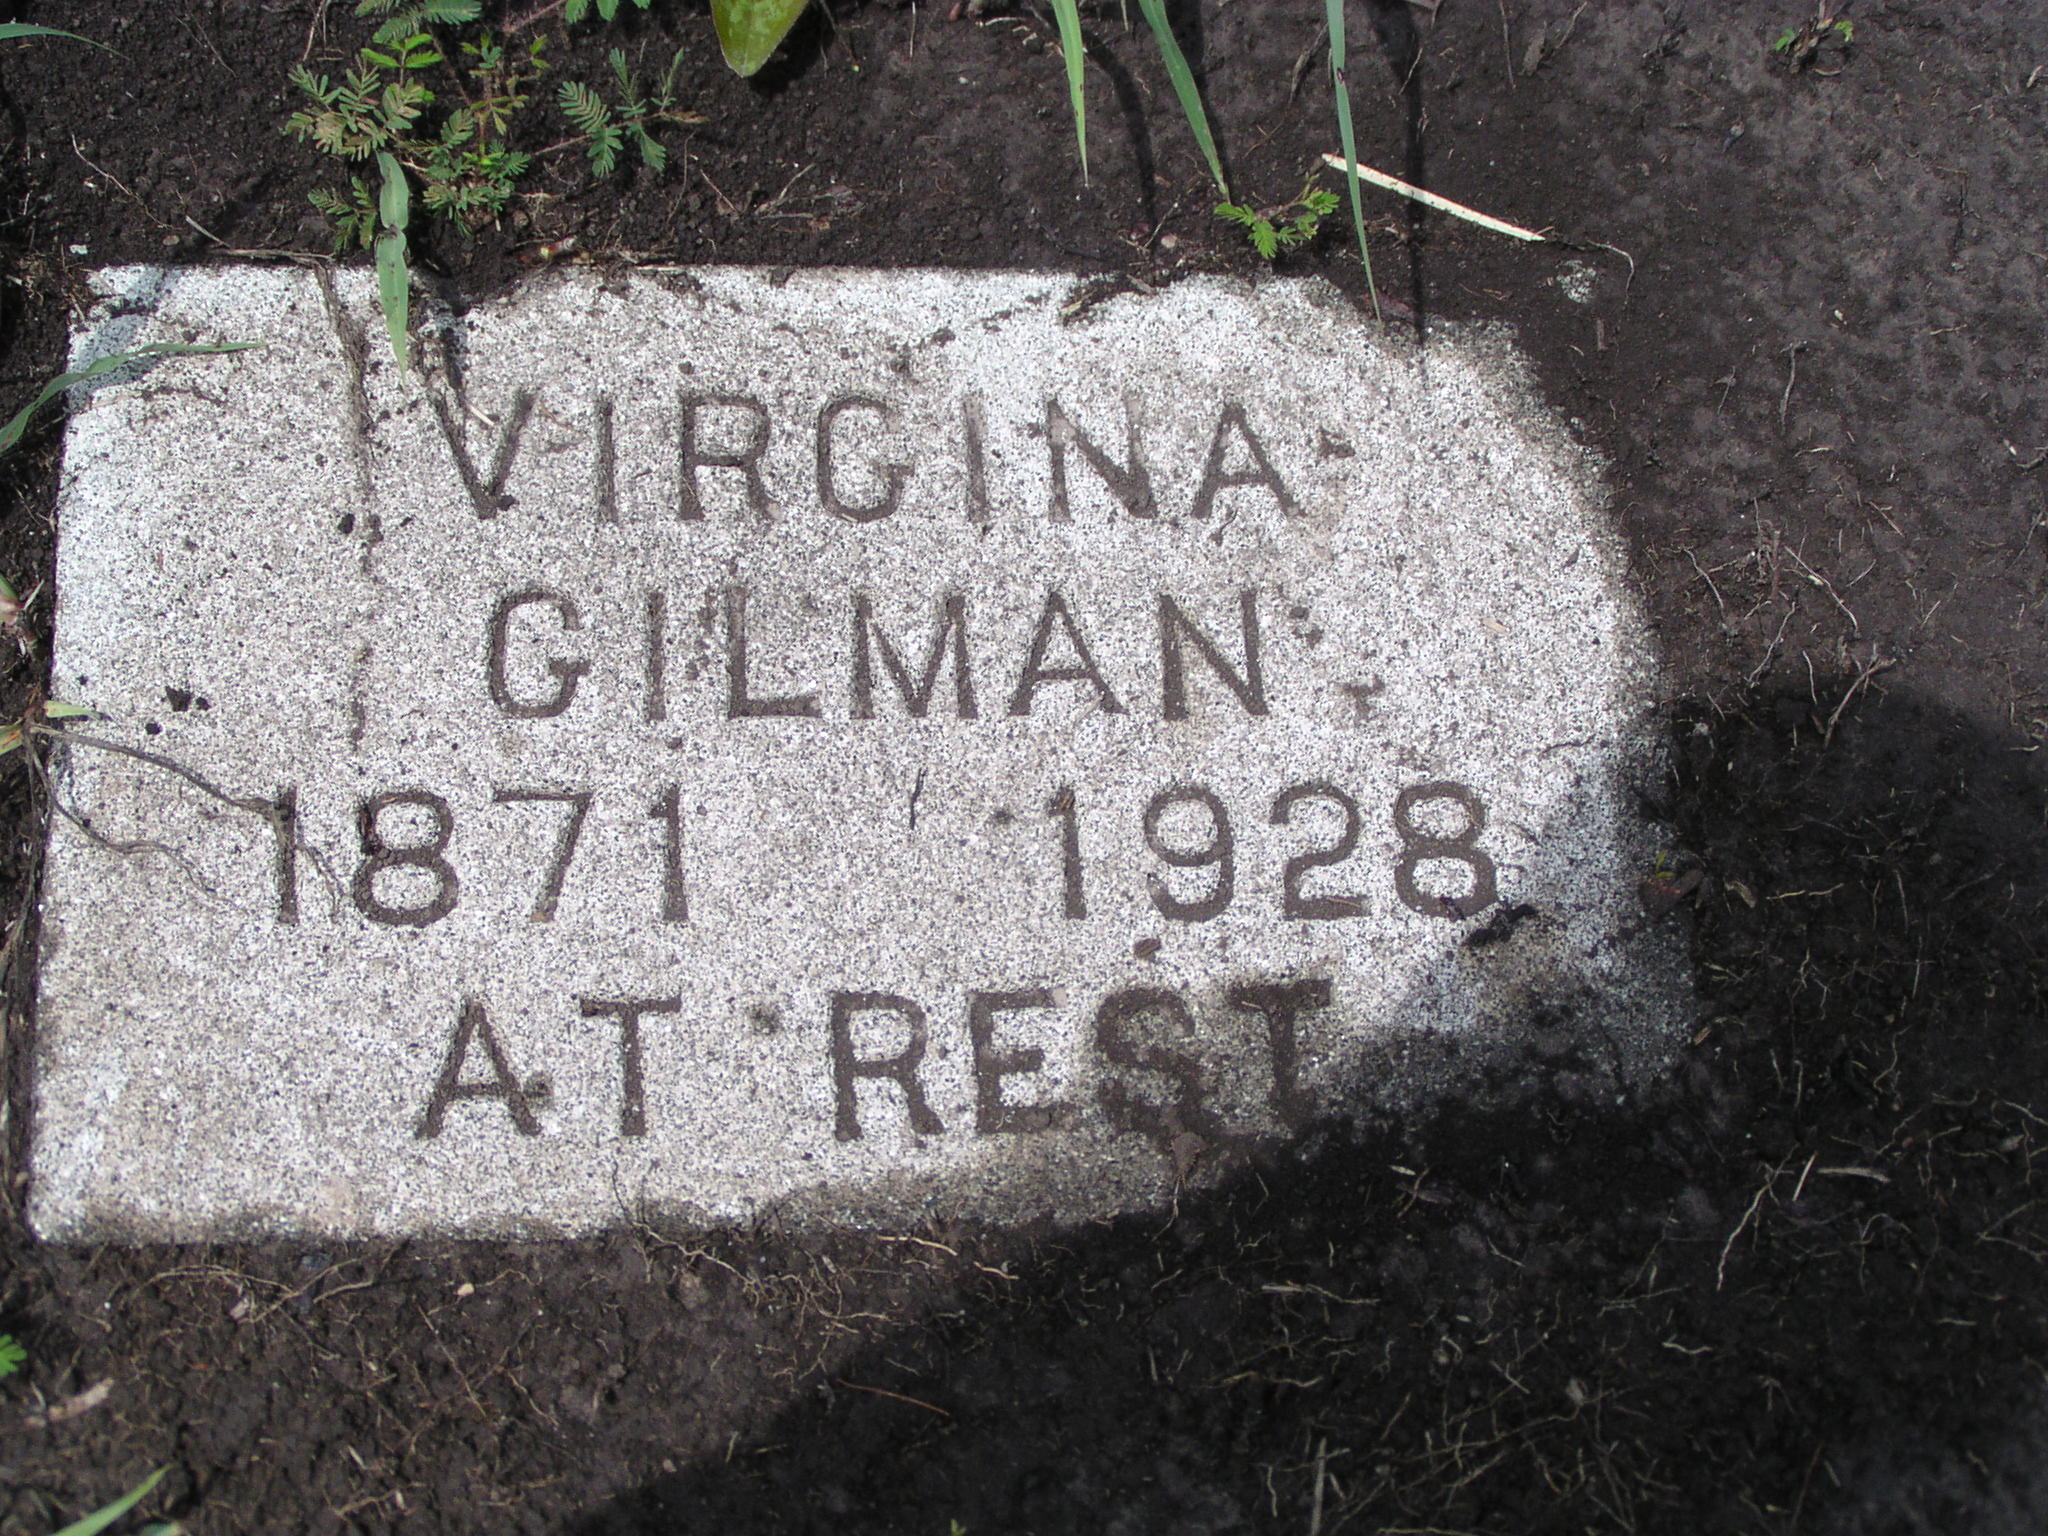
(1796, 1287)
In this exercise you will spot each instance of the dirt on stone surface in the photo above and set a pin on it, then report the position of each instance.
(1795, 1286)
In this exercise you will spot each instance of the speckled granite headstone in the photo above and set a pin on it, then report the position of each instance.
(848, 744)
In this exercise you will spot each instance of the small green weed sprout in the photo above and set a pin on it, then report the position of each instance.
(12, 432)
(1282, 228)
(1270, 230)
(398, 104)
(394, 273)
(100, 1519)
(467, 170)
(12, 1356)
(1801, 45)
(606, 129)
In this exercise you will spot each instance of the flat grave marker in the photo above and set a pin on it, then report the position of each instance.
(854, 746)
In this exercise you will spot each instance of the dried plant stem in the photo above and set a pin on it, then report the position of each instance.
(1433, 200)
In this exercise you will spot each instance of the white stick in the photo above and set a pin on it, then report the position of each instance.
(1432, 200)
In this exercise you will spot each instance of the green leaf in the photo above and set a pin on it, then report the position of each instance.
(11, 30)
(394, 201)
(56, 710)
(1333, 11)
(1068, 14)
(582, 106)
(749, 31)
(100, 1519)
(12, 432)
(652, 154)
(394, 277)
(1184, 86)
(394, 292)
(12, 1355)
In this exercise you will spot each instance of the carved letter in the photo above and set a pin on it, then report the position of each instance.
(1250, 688)
(747, 460)
(1037, 672)
(450, 1086)
(1128, 1112)
(1280, 1004)
(739, 704)
(900, 1069)
(893, 475)
(974, 432)
(566, 669)
(604, 474)
(1131, 484)
(1216, 478)
(916, 697)
(632, 1085)
(991, 1066)
(488, 498)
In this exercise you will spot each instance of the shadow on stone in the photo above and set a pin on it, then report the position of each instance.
(1794, 1285)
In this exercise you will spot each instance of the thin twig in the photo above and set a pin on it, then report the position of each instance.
(1709, 580)
(1435, 200)
(1791, 378)
(1721, 1269)
(254, 804)
(898, 1397)
(1863, 677)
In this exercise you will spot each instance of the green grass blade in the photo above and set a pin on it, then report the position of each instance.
(1341, 84)
(100, 1519)
(10, 30)
(1068, 14)
(11, 434)
(1183, 79)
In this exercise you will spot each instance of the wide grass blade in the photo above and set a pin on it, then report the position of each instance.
(394, 276)
(1068, 14)
(1184, 87)
(12, 432)
(1341, 84)
(749, 31)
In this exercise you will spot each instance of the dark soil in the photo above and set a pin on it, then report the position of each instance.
(1798, 1286)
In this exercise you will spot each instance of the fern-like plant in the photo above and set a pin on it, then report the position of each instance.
(587, 112)
(1273, 230)
(403, 18)
(606, 130)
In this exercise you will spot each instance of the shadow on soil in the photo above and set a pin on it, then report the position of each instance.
(1795, 1286)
